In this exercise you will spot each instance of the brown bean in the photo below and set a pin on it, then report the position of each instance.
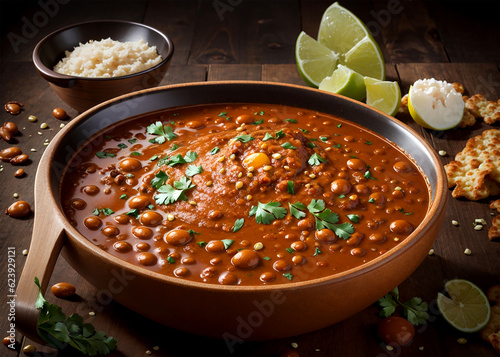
(122, 219)
(377, 198)
(356, 164)
(151, 218)
(178, 237)
(228, 278)
(139, 202)
(181, 272)
(245, 259)
(91, 190)
(19, 173)
(5, 134)
(13, 107)
(267, 277)
(130, 164)
(9, 153)
(244, 119)
(78, 203)
(402, 166)
(306, 224)
(355, 239)
(142, 247)
(340, 187)
(326, 235)
(401, 226)
(92, 222)
(63, 290)
(142, 232)
(146, 258)
(122, 247)
(299, 246)
(215, 246)
(19, 209)
(377, 238)
(110, 231)
(298, 259)
(281, 265)
(195, 124)
(12, 127)
(19, 159)
(59, 113)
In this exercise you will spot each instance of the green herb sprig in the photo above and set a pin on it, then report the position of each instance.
(415, 310)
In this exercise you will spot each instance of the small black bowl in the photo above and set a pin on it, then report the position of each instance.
(82, 93)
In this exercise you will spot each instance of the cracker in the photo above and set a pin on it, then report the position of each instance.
(480, 107)
(475, 173)
(494, 339)
(494, 231)
(467, 120)
(404, 105)
(458, 87)
(495, 205)
(493, 294)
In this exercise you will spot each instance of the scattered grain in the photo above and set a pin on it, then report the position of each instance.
(467, 251)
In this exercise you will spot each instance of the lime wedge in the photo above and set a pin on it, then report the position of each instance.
(340, 30)
(345, 81)
(383, 95)
(468, 310)
(345, 34)
(314, 60)
(435, 104)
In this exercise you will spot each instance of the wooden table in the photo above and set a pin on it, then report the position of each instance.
(245, 39)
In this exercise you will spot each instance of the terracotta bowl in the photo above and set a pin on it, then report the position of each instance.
(247, 313)
(82, 93)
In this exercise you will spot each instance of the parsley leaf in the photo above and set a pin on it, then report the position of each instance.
(244, 138)
(289, 276)
(102, 154)
(122, 146)
(353, 218)
(168, 194)
(325, 218)
(178, 159)
(258, 122)
(368, 175)
(296, 209)
(291, 121)
(134, 213)
(193, 170)
(214, 151)
(315, 159)
(280, 134)
(265, 213)
(317, 251)
(59, 331)
(164, 132)
(227, 243)
(415, 310)
(267, 137)
(238, 224)
(159, 179)
(290, 187)
(287, 145)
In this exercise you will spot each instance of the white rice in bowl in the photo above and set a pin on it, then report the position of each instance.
(108, 58)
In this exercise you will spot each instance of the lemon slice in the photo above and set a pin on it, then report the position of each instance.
(345, 81)
(435, 104)
(314, 60)
(383, 95)
(468, 310)
(345, 34)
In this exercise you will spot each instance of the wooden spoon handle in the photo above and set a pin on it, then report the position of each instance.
(46, 243)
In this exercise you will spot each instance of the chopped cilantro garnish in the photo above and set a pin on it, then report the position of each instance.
(178, 159)
(96, 211)
(402, 210)
(135, 153)
(168, 194)
(193, 170)
(415, 310)
(290, 250)
(238, 224)
(325, 218)
(133, 213)
(132, 141)
(170, 260)
(174, 147)
(151, 207)
(265, 213)
(153, 158)
(107, 211)
(371, 200)
(338, 146)
(290, 187)
(160, 178)
(315, 160)
(339, 125)
(267, 137)
(259, 113)
(122, 146)
(279, 134)
(368, 175)
(323, 138)
(258, 122)
(368, 142)
(124, 196)
(287, 145)
(317, 251)
(353, 218)
(227, 242)
(201, 244)
(214, 151)
(305, 131)
(311, 145)
(102, 154)
(296, 209)
(266, 258)
(291, 121)
(164, 132)
(244, 138)
(289, 276)
(191, 232)
(341, 196)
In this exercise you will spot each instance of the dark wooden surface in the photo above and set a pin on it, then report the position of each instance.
(450, 40)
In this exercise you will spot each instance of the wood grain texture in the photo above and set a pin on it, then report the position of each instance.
(255, 40)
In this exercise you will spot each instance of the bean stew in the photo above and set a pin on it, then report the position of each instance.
(243, 194)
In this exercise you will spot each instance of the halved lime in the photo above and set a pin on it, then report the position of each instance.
(345, 34)
(383, 95)
(314, 60)
(345, 81)
(435, 104)
(468, 310)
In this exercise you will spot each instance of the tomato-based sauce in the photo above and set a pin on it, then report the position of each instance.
(243, 194)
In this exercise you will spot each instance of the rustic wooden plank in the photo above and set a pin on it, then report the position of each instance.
(468, 30)
(245, 32)
(185, 74)
(409, 33)
(285, 73)
(218, 72)
(175, 19)
(42, 17)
